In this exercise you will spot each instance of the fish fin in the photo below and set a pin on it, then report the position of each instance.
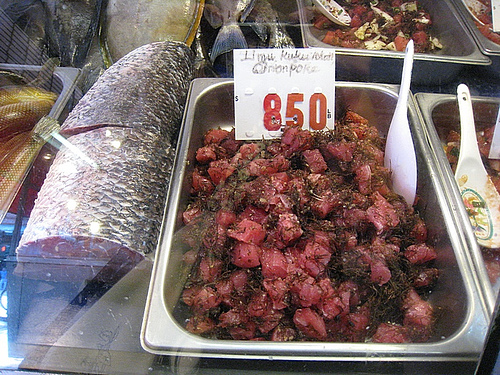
(229, 37)
(261, 30)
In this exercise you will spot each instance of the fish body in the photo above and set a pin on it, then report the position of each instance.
(147, 87)
(129, 24)
(225, 15)
(120, 203)
(127, 125)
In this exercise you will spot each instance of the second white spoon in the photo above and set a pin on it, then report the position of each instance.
(480, 196)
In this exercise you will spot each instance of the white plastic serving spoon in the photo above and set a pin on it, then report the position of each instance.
(480, 196)
(333, 11)
(400, 155)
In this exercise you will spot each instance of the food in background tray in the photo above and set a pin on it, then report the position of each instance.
(452, 149)
(481, 12)
(65, 28)
(308, 241)
(24, 102)
(381, 25)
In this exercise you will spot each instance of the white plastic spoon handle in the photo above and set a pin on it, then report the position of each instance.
(404, 89)
(468, 139)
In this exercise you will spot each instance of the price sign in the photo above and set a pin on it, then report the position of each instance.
(278, 87)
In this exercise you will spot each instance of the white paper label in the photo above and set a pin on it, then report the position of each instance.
(495, 142)
(495, 14)
(278, 87)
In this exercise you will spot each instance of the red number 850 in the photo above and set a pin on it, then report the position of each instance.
(317, 111)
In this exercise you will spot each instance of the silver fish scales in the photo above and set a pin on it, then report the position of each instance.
(121, 201)
(126, 124)
(146, 87)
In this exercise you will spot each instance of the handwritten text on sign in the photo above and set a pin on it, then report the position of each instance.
(278, 87)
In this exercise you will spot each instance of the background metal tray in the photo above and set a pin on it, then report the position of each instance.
(440, 115)
(460, 332)
(459, 48)
(486, 46)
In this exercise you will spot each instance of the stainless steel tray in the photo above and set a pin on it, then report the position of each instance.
(459, 333)
(486, 46)
(440, 115)
(459, 48)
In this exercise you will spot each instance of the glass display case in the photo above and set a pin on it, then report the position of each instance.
(97, 271)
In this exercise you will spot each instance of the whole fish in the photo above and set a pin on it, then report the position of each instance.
(267, 25)
(20, 117)
(225, 15)
(18, 94)
(16, 156)
(126, 124)
(129, 24)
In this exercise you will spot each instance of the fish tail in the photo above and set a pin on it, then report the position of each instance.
(229, 37)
